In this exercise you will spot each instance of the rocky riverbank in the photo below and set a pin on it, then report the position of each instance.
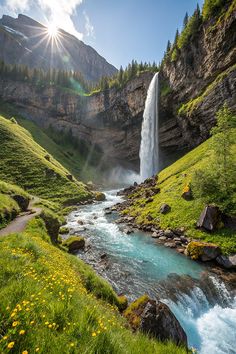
(175, 238)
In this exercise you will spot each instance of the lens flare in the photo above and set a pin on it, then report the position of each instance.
(52, 30)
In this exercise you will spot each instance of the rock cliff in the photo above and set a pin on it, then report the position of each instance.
(110, 120)
(199, 81)
(25, 41)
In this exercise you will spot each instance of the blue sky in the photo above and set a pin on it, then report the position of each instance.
(120, 30)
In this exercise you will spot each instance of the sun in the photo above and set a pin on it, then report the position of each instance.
(52, 30)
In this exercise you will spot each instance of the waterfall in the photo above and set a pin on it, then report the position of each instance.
(149, 148)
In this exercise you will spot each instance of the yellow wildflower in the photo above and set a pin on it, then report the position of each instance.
(37, 349)
(10, 345)
(94, 334)
(72, 344)
(15, 323)
(22, 331)
(5, 337)
(25, 352)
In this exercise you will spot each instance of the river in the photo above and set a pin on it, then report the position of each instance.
(135, 264)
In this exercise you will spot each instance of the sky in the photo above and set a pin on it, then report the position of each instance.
(120, 30)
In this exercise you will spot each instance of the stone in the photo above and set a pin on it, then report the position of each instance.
(187, 195)
(22, 201)
(80, 222)
(169, 233)
(170, 244)
(128, 231)
(228, 262)
(155, 235)
(104, 255)
(210, 218)
(162, 238)
(165, 208)
(108, 212)
(177, 239)
(203, 251)
(180, 250)
(149, 217)
(74, 243)
(100, 197)
(155, 319)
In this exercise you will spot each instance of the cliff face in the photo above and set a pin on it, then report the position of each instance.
(200, 80)
(110, 120)
(25, 41)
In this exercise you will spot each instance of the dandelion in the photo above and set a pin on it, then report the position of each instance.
(10, 345)
(22, 331)
(25, 352)
(94, 334)
(15, 323)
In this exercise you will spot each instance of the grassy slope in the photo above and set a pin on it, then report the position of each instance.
(67, 155)
(172, 181)
(9, 208)
(47, 305)
(23, 163)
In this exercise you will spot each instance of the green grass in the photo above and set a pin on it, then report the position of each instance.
(27, 164)
(9, 207)
(171, 182)
(188, 108)
(70, 157)
(52, 303)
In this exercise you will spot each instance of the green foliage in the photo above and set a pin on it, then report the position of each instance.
(190, 30)
(121, 78)
(23, 162)
(52, 303)
(217, 183)
(212, 8)
(165, 89)
(174, 54)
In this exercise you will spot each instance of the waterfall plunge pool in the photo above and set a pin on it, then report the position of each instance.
(135, 264)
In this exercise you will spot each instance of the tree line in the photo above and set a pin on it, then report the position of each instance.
(69, 79)
(191, 27)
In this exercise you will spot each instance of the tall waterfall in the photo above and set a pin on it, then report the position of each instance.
(149, 148)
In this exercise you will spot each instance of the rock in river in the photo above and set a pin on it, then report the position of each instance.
(155, 319)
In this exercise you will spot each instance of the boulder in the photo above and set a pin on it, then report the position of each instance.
(155, 319)
(162, 238)
(203, 251)
(210, 218)
(169, 233)
(228, 262)
(155, 235)
(165, 208)
(74, 243)
(187, 193)
(100, 197)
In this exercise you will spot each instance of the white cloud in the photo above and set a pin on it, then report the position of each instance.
(88, 26)
(57, 12)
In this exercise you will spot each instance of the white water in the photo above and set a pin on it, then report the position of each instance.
(149, 148)
(137, 265)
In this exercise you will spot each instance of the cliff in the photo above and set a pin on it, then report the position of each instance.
(25, 41)
(110, 120)
(198, 81)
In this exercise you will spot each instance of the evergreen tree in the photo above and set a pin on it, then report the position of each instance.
(185, 20)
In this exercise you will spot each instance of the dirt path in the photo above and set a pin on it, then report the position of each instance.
(20, 222)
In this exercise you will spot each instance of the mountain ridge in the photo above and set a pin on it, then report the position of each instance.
(24, 40)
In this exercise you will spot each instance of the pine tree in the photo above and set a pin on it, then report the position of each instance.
(185, 22)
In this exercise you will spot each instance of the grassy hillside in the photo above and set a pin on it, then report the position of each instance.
(69, 156)
(12, 201)
(27, 164)
(172, 181)
(52, 302)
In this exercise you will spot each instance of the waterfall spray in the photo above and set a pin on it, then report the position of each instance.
(149, 148)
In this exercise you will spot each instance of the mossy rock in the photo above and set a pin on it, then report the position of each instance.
(134, 311)
(100, 197)
(64, 230)
(203, 251)
(52, 223)
(74, 244)
(22, 201)
(122, 302)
